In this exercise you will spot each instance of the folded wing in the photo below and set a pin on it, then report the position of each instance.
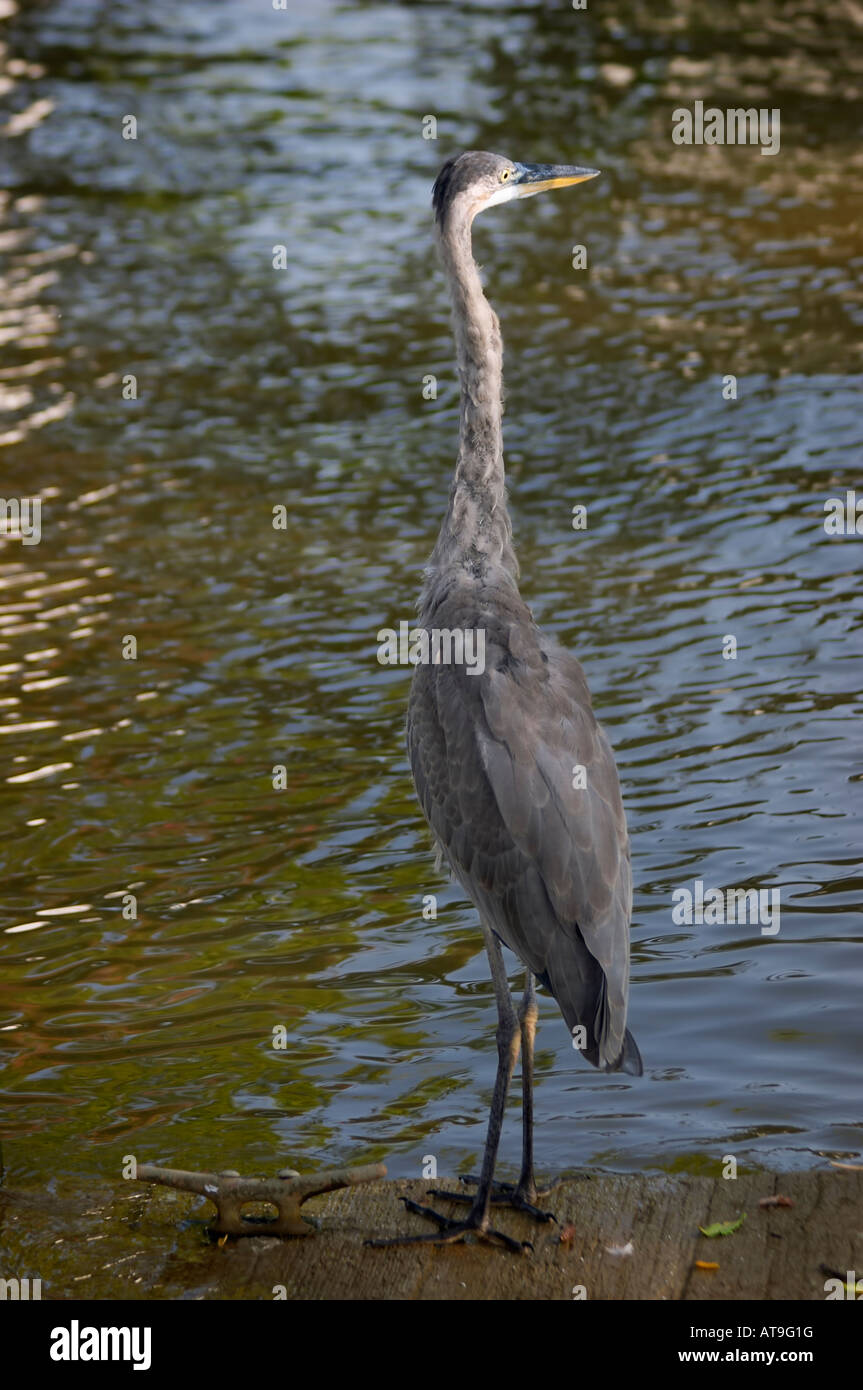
(519, 785)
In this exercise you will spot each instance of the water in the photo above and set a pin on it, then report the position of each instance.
(259, 388)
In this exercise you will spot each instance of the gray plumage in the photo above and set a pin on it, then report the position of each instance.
(546, 865)
(493, 755)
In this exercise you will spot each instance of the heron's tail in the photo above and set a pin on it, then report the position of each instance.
(579, 985)
(629, 1059)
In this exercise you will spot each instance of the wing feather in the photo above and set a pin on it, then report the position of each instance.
(546, 862)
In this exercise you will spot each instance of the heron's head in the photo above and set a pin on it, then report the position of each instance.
(477, 180)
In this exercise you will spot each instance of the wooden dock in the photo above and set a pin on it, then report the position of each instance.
(137, 1242)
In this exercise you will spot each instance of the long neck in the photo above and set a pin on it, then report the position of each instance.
(476, 531)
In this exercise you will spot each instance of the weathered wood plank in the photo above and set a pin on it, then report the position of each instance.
(132, 1244)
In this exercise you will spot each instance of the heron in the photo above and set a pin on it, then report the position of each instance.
(514, 774)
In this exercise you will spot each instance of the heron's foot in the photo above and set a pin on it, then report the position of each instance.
(520, 1197)
(452, 1232)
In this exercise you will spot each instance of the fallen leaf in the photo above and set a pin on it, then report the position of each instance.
(567, 1235)
(706, 1264)
(777, 1201)
(723, 1228)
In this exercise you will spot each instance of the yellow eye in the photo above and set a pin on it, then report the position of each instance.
(504, 175)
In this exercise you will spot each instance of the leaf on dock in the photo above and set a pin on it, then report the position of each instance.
(723, 1228)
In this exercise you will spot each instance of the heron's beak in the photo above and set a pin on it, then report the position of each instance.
(536, 178)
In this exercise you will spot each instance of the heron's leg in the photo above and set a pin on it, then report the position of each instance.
(508, 1044)
(527, 1016)
(524, 1195)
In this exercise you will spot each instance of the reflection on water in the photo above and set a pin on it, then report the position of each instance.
(146, 786)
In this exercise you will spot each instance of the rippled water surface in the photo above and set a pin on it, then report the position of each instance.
(301, 387)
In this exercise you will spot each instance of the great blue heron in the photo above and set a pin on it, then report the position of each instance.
(515, 776)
